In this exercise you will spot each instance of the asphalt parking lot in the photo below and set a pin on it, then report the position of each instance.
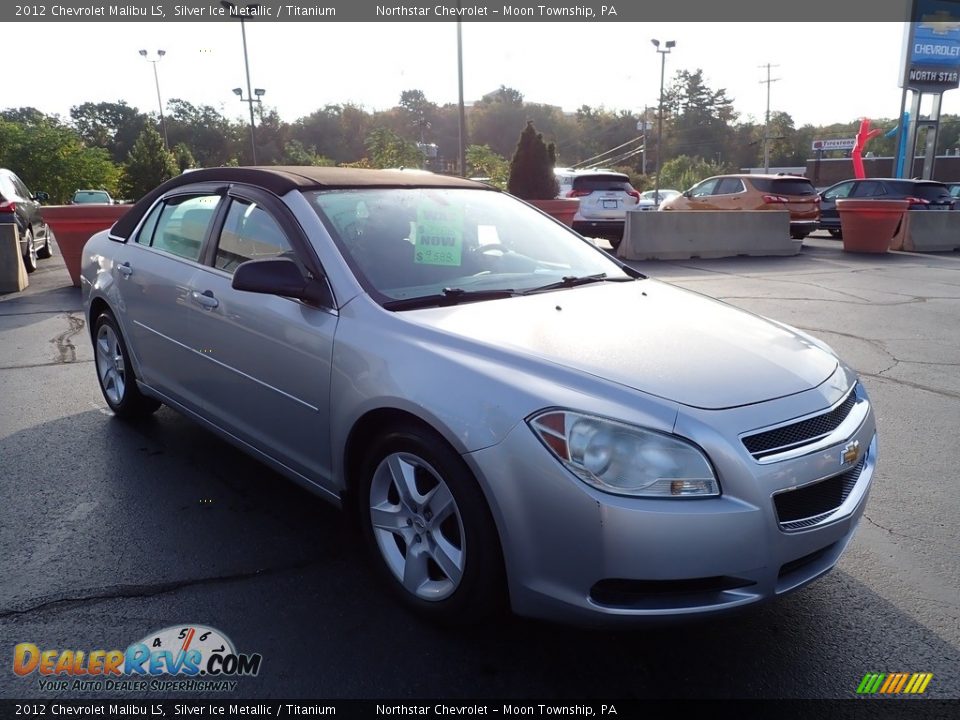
(109, 531)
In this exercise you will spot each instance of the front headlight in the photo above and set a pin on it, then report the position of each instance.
(624, 459)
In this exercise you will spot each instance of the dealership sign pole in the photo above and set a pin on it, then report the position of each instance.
(931, 66)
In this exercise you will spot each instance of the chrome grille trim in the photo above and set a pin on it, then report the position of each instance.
(798, 437)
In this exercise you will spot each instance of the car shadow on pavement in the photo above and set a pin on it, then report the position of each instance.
(110, 530)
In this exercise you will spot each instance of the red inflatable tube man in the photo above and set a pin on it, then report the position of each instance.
(864, 136)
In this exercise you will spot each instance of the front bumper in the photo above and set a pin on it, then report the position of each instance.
(575, 554)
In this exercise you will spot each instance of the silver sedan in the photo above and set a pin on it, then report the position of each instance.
(511, 415)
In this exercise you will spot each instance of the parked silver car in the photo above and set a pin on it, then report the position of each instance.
(441, 360)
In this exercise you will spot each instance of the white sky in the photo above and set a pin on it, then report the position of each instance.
(829, 72)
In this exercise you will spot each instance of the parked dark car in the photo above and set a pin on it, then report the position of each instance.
(19, 205)
(922, 194)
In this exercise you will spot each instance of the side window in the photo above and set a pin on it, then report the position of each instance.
(840, 191)
(7, 188)
(145, 235)
(249, 233)
(182, 225)
(729, 186)
(868, 188)
(21, 188)
(705, 188)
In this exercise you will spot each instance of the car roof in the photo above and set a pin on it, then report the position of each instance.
(281, 179)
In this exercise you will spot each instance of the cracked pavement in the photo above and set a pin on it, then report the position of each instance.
(109, 530)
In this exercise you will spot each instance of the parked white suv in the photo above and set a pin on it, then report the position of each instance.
(605, 197)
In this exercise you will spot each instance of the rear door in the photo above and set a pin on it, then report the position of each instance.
(153, 275)
(729, 194)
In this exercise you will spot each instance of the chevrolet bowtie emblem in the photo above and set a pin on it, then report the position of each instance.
(851, 453)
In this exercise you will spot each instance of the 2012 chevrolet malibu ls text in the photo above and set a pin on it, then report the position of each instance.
(441, 359)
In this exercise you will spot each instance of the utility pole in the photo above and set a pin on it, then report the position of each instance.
(643, 153)
(766, 125)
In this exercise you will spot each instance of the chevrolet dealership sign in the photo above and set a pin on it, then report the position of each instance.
(932, 46)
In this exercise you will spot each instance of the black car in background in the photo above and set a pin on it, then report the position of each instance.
(922, 194)
(19, 205)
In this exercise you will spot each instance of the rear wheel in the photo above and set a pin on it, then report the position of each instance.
(115, 372)
(30, 256)
(798, 235)
(836, 234)
(427, 524)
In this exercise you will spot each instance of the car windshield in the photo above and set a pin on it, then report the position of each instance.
(405, 243)
(91, 196)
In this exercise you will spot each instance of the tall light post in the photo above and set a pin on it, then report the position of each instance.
(156, 79)
(663, 65)
(242, 13)
(461, 122)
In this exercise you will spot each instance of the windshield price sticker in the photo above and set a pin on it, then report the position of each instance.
(439, 236)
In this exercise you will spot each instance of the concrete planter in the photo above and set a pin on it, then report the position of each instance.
(74, 224)
(869, 226)
(563, 209)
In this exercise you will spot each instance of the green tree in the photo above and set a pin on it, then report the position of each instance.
(684, 171)
(294, 153)
(700, 118)
(531, 170)
(148, 165)
(386, 149)
(51, 157)
(183, 156)
(483, 162)
(112, 126)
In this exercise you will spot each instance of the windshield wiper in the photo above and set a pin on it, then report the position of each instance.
(574, 280)
(449, 296)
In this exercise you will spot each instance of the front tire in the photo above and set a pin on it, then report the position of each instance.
(836, 234)
(429, 529)
(30, 256)
(118, 383)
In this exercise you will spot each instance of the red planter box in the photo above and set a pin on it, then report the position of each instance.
(73, 225)
(563, 209)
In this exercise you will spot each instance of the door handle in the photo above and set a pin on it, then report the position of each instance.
(125, 269)
(205, 299)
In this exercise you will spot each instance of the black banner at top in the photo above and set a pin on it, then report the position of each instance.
(860, 11)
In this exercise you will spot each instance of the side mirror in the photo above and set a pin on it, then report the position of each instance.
(686, 193)
(279, 276)
(41, 197)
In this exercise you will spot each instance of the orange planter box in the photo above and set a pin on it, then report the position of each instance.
(73, 225)
(868, 226)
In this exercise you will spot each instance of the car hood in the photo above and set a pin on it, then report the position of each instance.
(646, 335)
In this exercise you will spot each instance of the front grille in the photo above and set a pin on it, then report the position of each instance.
(812, 504)
(805, 432)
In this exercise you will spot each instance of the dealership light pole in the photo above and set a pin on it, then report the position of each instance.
(461, 121)
(156, 79)
(663, 65)
(242, 14)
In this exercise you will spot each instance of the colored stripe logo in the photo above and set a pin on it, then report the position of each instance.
(894, 683)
